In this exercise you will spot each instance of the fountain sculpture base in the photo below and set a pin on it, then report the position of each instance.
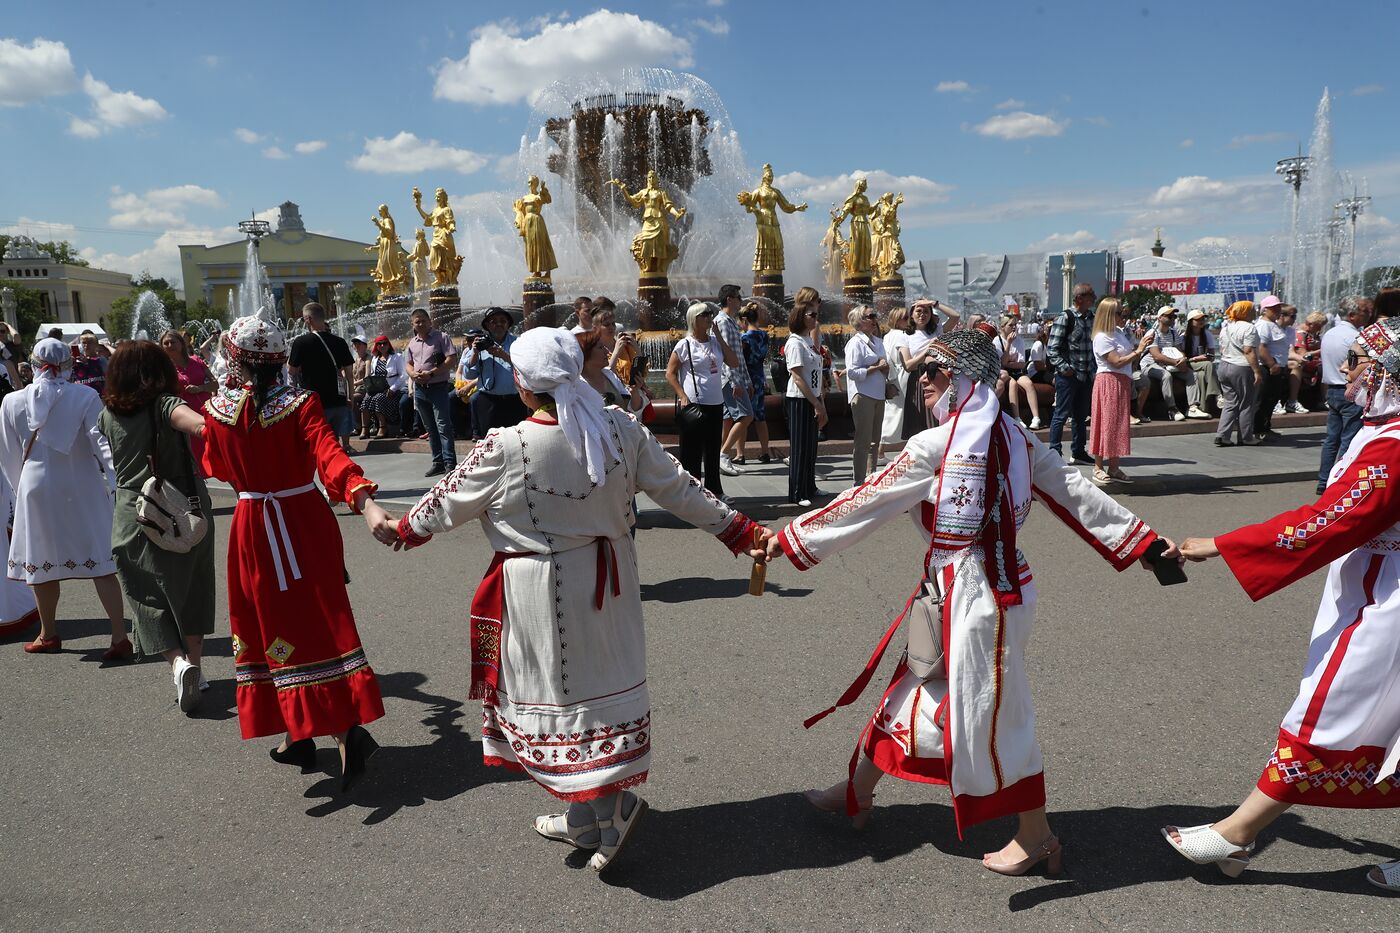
(769, 287)
(536, 296)
(444, 304)
(856, 290)
(653, 297)
(889, 294)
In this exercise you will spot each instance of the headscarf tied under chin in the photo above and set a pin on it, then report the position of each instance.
(1377, 390)
(985, 469)
(550, 360)
(52, 363)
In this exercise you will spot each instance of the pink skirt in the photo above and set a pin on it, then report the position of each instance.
(1110, 433)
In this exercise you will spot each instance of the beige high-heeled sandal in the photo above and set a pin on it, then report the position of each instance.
(1049, 851)
(833, 800)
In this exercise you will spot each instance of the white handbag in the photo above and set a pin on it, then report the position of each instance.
(924, 634)
(172, 520)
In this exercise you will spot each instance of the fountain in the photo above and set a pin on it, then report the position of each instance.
(148, 320)
(255, 291)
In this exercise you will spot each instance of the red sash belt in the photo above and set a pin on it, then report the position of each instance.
(607, 561)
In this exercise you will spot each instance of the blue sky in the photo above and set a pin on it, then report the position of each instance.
(1008, 126)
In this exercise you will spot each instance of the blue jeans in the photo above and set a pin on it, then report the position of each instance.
(1073, 397)
(1343, 421)
(434, 404)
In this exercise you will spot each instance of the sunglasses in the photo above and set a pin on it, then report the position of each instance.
(872, 317)
(931, 369)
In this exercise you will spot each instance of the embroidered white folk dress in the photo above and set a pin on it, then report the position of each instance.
(17, 608)
(975, 728)
(570, 705)
(63, 492)
(1339, 743)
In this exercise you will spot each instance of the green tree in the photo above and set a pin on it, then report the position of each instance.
(359, 296)
(118, 322)
(29, 310)
(1145, 301)
(61, 250)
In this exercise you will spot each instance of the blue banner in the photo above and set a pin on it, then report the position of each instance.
(1245, 284)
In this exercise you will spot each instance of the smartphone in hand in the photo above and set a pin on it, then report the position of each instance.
(1169, 572)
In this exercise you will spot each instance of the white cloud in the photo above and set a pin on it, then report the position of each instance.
(1059, 242)
(1010, 103)
(1098, 121)
(503, 67)
(114, 109)
(31, 72)
(918, 191)
(1186, 144)
(248, 136)
(211, 61)
(714, 2)
(406, 153)
(159, 207)
(1365, 89)
(40, 229)
(719, 26)
(952, 87)
(310, 146)
(1191, 188)
(1020, 125)
(1249, 139)
(275, 152)
(162, 257)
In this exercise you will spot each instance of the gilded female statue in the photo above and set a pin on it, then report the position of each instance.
(833, 251)
(388, 272)
(652, 247)
(418, 261)
(884, 223)
(529, 221)
(858, 251)
(442, 258)
(763, 203)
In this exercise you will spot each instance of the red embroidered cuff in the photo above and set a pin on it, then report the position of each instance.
(409, 537)
(801, 558)
(738, 534)
(1134, 548)
(355, 487)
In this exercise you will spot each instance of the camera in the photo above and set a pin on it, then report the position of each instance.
(477, 333)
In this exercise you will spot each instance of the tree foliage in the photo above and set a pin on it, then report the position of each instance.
(1140, 301)
(29, 310)
(359, 296)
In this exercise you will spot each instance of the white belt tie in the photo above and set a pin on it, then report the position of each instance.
(272, 507)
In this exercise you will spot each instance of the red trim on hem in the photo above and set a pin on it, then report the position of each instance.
(583, 796)
(1026, 794)
(20, 624)
(1324, 777)
(494, 761)
(885, 752)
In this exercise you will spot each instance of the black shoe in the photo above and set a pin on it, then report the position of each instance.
(1221, 442)
(765, 459)
(360, 747)
(1082, 458)
(437, 469)
(301, 753)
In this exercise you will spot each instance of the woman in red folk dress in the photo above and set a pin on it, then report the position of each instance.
(1339, 743)
(299, 665)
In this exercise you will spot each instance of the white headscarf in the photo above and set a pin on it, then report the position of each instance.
(549, 359)
(53, 362)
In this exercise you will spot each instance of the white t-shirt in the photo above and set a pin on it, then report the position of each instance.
(1234, 338)
(916, 342)
(1036, 362)
(701, 370)
(1016, 349)
(579, 329)
(798, 351)
(1116, 342)
(893, 341)
(1274, 338)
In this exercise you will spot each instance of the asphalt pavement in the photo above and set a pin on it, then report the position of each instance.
(1155, 706)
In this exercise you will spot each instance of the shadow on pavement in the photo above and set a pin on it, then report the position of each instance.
(410, 776)
(684, 589)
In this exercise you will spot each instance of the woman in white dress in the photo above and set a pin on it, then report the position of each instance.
(558, 653)
(17, 608)
(893, 421)
(60, 467)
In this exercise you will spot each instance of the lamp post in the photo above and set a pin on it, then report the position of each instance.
(1067, 270)
(1331, 228)
(10, 308)
(1293, 170)
(1351, 209)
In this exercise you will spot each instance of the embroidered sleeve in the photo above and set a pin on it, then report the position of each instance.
(465, 493)
(341, 476)
(1118, 535)
(911, 478)
(1361, 504)
(675, 490)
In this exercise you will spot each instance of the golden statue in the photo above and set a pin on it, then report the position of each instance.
(884, 223)
(652, 247)
(529, 221)
(833, 251)
(857, 207)
(763, 203)
(388, 272)
(418, 261)
(442, 258)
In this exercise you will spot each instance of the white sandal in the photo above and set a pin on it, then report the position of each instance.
(547, 826)
(1390, 877)
(1204, 846)
(606, 854)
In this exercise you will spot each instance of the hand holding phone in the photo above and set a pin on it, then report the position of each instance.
(1168, 569)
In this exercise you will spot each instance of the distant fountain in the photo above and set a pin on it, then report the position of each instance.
(255, 291)
(148, 320)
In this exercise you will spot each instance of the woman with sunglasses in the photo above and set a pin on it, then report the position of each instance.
(913, 353)
(806, 413)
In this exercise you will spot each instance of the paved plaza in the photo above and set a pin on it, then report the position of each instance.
(1155, 705)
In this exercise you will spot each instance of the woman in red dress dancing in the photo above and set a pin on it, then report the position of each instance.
(299, 665)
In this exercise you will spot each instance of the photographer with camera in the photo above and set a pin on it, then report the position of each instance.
(495, 404)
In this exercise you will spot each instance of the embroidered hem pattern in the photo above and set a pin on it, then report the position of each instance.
(1300, 773)
(287, 677)
(566, 764)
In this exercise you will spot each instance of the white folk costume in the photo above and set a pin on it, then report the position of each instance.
(1339, 743)
(558, 648)
(17, 609)
(60, 467)
(968, 484)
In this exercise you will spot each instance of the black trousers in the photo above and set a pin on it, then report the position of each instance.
(700, 443)
(1272, 390)
(496, 411)
(802, 456)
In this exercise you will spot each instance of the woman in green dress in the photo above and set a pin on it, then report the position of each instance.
(171, 595)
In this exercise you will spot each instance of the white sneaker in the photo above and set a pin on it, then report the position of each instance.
(1178, 416)
(203, 683)
(1278, 409)
(727, 467)
(1196, 412)
(805, 503)
(1036, 425)
(186, 677)
(1293, 408)
(1135, 421)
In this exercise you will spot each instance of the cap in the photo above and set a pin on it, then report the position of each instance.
(1270, 301)
(1197, 313)
(1168, 310)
